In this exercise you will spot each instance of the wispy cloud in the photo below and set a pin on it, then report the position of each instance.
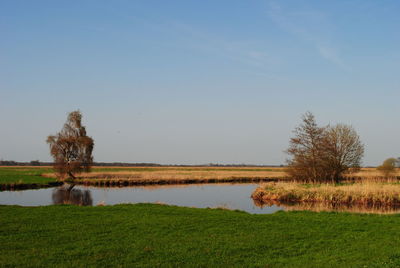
(311, 26)
(332, 55)
(250, 55)
(243, 51)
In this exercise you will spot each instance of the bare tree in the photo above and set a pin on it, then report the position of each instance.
(71, 148)
(321, 154)
(305, 150)
(342, 151)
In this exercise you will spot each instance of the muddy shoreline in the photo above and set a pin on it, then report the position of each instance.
(138, 182)
(130, 182)
(28, 186)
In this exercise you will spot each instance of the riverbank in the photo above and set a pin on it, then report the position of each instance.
(21, 178)
(178, 175)
(194, 175)
(34, 177)
(118, 182)
(367, 193)
(14, 178)
(154, 235)
(27, 186)
(187, 175)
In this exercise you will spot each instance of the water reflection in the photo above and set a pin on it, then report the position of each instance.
(319, 206)
(66, 195)
(230, 196)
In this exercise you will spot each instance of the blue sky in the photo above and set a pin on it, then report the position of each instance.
(193, 82)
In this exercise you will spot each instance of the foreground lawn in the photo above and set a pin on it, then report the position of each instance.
(24, 175)
(156, 235)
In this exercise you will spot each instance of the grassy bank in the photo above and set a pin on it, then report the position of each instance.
(155, 235)
(101, 176)
(36, 177)
(369, 193)
(124, 176)
(25, 178)
(13, 178)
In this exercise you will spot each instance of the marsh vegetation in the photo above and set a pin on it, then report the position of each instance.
(322, 167)
(366, 193)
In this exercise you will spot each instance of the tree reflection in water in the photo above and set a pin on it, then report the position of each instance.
(72, 196)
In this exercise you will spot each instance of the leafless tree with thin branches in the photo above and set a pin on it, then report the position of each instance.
(342, 151)
(305, 150)
(323, 154)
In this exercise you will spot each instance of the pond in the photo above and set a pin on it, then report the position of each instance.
(229, 196)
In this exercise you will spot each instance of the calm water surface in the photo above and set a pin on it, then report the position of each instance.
(230, 196)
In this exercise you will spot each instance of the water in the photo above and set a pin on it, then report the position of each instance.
(230, 196)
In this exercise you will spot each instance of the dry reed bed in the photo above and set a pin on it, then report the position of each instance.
(372, 174)
(363, 193)
(189, 175)
(178, 176)
(118, 182)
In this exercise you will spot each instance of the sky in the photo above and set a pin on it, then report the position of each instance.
(197, 82)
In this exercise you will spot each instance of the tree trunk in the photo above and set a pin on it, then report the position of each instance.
(70, 188)
(71, 175)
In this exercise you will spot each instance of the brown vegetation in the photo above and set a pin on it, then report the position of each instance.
(362, 193)
(188, 175)
(179, 176)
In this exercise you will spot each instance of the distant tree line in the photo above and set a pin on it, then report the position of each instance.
(106, 164)
(31, 163)
(125, 164)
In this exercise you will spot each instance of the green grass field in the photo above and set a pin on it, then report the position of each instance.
(24, 175)
(155, 235)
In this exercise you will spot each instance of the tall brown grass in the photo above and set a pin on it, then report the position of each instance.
(180, 175)
(365, 193)
(207, 172)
